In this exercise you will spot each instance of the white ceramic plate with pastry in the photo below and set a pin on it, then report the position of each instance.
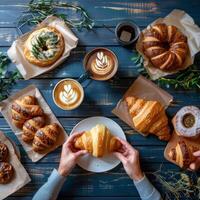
(108, 161)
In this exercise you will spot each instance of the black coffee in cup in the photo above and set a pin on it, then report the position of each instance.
(127, 33)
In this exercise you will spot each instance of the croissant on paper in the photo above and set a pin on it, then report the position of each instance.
(98, 141)
(24, 109)
(45, 137)
(182, 154)
(149, 117)
(30, 127)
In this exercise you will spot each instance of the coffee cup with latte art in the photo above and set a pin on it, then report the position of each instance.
(68, 94)
(101, 64)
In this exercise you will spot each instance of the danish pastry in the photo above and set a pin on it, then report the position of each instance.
(165, 46)
(6, 172)
(98, 141)
(187, 121)
(3, 152)
(44, 46)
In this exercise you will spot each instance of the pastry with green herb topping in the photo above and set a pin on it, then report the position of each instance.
(44, 46)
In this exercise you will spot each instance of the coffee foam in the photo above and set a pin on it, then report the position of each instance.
(68, 94)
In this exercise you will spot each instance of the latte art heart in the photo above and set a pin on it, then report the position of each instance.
(68, 95)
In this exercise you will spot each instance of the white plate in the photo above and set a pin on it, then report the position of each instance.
(108, 162)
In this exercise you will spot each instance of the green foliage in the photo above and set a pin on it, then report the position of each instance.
(187, 79)
(38, 10)
(7, 78)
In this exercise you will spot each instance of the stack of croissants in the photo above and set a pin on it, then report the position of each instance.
(29, 116)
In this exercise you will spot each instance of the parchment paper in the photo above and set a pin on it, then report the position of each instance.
(175, 139)
(186, 25)
(29, 70)
(145, 89)
(5, 108)
(21, 177)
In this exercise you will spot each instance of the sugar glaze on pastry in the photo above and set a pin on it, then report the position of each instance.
(187, 121)
(44, 46)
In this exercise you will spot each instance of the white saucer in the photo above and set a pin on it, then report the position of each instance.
(108, 162)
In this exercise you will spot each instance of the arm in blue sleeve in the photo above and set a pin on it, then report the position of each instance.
(51, 189)
(146, 190)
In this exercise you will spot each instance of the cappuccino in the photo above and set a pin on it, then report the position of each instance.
(68, 94)
(101, 63)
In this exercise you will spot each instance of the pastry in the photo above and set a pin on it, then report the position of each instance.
(165, 46)
(45, 137)
(98, 141)
(24, 109)
(44, 46)
(30, 127)
(148, 117)
(3, 152)
(187, 121)
(6, 172)
(182, 154)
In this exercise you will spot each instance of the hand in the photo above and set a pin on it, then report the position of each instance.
(129, 157)
(196, 165)
(69, 155)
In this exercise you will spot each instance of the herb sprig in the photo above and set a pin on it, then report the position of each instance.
(7, 78)
(186, 79)
(38, 10)
(178, 184)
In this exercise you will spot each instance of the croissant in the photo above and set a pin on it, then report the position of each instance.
(45, 137)
(30, 127)
(149, 117)
(165, 46)
(182, 154)
(98, 141)
(24, 109)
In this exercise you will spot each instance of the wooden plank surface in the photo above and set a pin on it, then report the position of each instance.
(100, 97)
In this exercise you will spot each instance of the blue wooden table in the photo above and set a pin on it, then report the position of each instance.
(100, 97)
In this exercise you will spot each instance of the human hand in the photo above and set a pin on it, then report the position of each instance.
(129, 157)
(196, 164)
(69, 155)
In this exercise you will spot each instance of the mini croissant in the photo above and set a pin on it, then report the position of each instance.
(182, 154)
(149, 117)
(98, 141)
(45, 137)
(24, 109)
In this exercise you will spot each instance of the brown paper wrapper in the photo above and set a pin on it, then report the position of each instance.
(5, 108)
(175, 139)
(145, 89)
(186, 25)
(21, 177)
(29, 70)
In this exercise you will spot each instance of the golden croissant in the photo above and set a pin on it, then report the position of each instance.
(24, 109)
(98, 141)
(149, 117)
(182, 154)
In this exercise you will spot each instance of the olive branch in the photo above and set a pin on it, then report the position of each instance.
(38, 10)
(7, 78)
(187, 79)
